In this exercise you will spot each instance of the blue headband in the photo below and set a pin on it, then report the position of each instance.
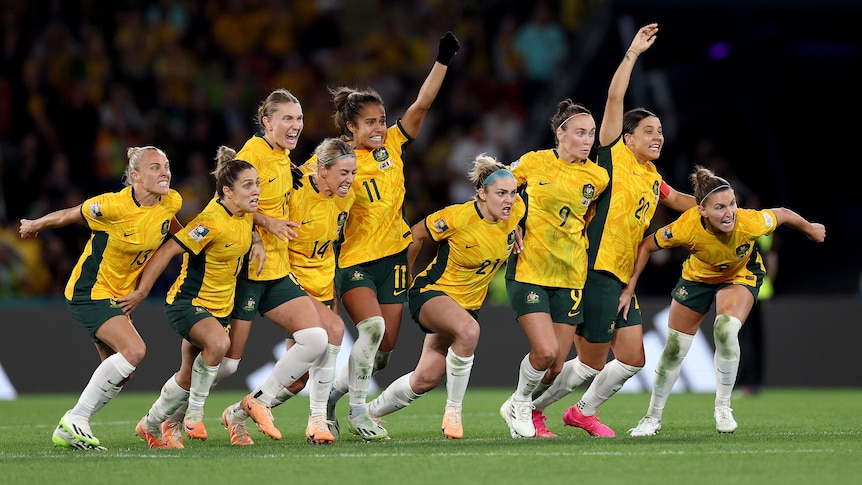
(496, 175)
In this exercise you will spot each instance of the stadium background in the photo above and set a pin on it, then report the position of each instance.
(760, 90)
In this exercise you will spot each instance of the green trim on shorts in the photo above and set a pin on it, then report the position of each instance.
(92, 314)
(562, 304)
(386, 276)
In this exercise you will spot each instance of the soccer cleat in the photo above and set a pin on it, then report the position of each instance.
(574, 417)
(261, 414)
(79, 428)
(238, 431)
(152, 440)
(724, 422)
(518, 415)
(317, 432)
(452, 425)
(542, 431)
(63, 439)
(193, 424)
(367, 426)
(172, 433)
(647, 426)
(331, 418)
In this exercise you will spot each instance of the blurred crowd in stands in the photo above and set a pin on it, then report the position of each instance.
(83, 80)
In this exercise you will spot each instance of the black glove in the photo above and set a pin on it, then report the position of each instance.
(297, 176)
(449, 46)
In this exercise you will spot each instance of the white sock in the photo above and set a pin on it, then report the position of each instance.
(726, 359)
(362, 357)
(667, 370)
(226, 369)
(310, 343)
(320, 379)
(396, 396)
(103, 385)
(172, 396)
(606, 384)
(203, 376)
(573, 374)
(528, 379)
(457, 375)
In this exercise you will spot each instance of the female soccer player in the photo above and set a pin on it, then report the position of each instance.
(474, 238)
(723, 266)
(127, 227)
(544, 282)
(199, 302)
(372, 267)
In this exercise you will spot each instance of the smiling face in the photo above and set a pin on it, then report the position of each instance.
(497, 198)
(369, 128)
(243, 196)
(153, 174)
(576, 137)
(646, 140)
(337, 177)
(719, 211)
(282, 129)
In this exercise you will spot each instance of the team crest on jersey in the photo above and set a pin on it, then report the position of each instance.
(531, 298)
(380, 154)
(199, 233)
(440, 225)
(666, 234)
(357, 276)
(249, 305)
(588, 191)
(166, 226)
(342, 219)
(681, 293)
(96, 209)
(741, 251)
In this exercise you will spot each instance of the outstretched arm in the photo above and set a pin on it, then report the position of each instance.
(612, 121)
(814, 230)
(60, 218)
(415, 114)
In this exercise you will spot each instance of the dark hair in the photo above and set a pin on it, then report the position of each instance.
(349, 103)
(228, 168)
(270, 105)
(633, 117)
(704, 183)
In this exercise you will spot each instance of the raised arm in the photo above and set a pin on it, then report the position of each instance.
(813, 230)
(645, 249)
(59, 218)
(612, 121)
(415, 114)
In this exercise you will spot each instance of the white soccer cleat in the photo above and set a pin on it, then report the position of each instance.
(519, 417)
(647, 426)
(79, 428)
(64, 440)
(724, 422)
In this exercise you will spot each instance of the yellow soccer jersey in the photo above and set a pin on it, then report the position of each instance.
(471, 250)
(216, 242)
(623, 213)
(377, 227)
(312, 256)
(718, 258)
(276, 183)
(558, 196)
(124, 235)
